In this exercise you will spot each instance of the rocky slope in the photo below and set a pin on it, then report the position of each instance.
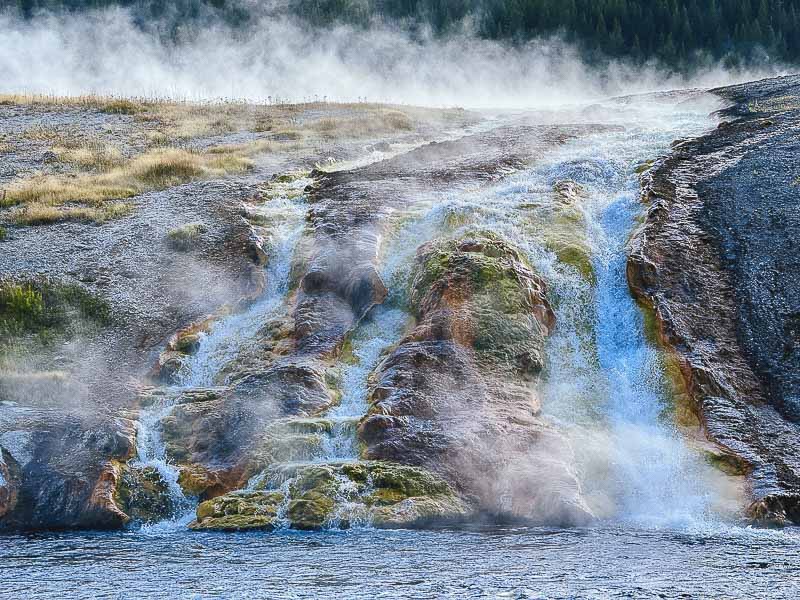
(716, 260)
(206, 347)
(70, 394)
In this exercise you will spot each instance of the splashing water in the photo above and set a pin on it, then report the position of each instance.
(151, 453)
(381, 330)
(605, 383)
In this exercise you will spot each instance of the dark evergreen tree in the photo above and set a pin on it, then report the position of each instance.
(673, 30)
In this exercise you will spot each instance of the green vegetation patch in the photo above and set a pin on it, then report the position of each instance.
(46, 309)
(186, 236)
(331, 495)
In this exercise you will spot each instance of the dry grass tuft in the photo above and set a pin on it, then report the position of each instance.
(42, 214)
(94, 154)
(186, 236)
(122, 107)
(43, 196)
(366, 125)
(72, 147)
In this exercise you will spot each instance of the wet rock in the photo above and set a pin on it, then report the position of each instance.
(143, 494)
(8, 484)
(64, 470)
(778, 510)
(209, 434)
(317, 496)
(240, 511)
(715, 262)
(456, 396)
(479, 291)
(290, 387)
(168, 366)
(564, 228)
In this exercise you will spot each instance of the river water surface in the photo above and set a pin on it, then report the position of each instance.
(522, 563)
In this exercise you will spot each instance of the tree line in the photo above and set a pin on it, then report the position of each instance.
(676, 32)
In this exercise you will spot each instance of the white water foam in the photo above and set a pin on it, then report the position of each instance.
(151, 453)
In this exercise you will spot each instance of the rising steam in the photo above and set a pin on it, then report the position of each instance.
(279, 58)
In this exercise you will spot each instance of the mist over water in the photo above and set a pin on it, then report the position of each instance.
(278, 58)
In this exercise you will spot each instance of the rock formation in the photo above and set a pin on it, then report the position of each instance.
(456, 395)
(716, 261)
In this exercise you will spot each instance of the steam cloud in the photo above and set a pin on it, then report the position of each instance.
(103, 52)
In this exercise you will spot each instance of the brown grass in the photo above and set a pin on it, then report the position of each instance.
(175, 121)
(153, 170)
(366, 125)
(41, 214)
(43, 197)
(104, 176)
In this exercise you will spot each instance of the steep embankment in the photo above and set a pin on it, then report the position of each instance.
(717, 260)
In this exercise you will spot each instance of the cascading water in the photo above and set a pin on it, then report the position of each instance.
(227, 336)
(222, 343)
(382, 328)
(151, 454)
(605, 383)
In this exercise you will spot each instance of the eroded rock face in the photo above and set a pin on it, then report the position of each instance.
(456, 396)
(8, 484)
(61, 471)
(716, 260)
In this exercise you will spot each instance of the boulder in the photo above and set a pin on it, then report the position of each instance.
(63, 470)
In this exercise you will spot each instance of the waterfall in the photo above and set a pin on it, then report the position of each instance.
(221, 344)
(605, 383)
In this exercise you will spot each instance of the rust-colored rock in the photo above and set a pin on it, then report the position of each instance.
(457, 395)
